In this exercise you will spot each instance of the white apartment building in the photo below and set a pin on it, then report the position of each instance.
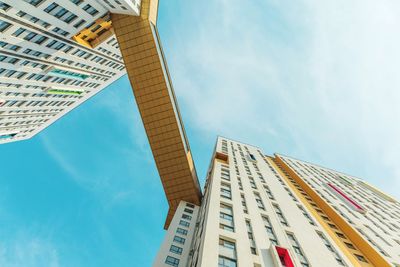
(256, 212)
(54, 55)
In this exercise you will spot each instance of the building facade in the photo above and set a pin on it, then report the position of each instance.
(260, 210)
(54, 55)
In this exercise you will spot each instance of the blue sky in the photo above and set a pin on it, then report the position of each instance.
(314, 80)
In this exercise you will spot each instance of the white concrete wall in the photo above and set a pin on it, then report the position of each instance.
(164, 251)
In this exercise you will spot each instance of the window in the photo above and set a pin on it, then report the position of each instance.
(225, 174)
(226, 218)
(33, 19)
(360, 258)
(175, 249)
(269, 193)
(186, 217)
(308, 217)
(226, 191)
(291, 194)
(190, 205)
(36, 53)
(332, 226)
(179, 239)
(373, 242)
(76, 2)
(227, 251)
(181, 231)
(18, 32)
(250, 235)
(244, 204)
(340, 235)
(34, 2)
(78, 24)
(229, 245)
(252, 183)
(329, 246)
(325, 218)
(60, 31)
(349, 245)
(270, 231)
(184, 223)
(91, 10)
(60, 13)
(4, 25)
(188, 211)
(297, 249)
(172, 261)
(279, 213)
(260, 204)
(226, 262)
(4, 6)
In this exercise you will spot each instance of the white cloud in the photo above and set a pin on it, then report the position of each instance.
(313, 79)
(28, 251)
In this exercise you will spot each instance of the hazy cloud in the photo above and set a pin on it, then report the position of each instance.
(316, 80)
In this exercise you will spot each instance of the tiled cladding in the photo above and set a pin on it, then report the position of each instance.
(154, 95)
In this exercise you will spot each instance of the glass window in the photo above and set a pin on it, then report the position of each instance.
(4, 6)
(181, 231)
(270, 231)
(331, 248)
(179, 239)
(186, 217)
(172, 261)
(190, 205)
(175, 249)
(91, 10)
(360, 258)
(189, 211)
(279, 213)
(226, 262)
(34, 2)
(226, 218)
(296, 247)
(226, 191)
(184, 223)
(227, 244)
(260, 204)
(4, 25)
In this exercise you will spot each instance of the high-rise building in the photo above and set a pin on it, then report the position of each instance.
(260, 210)
(55, 54)
(256, 210)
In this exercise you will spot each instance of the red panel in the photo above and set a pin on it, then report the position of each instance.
(284, 255)
(340, 192)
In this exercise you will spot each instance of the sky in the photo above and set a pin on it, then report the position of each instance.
(316, 80)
